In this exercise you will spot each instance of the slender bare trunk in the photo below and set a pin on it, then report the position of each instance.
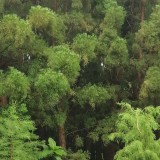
(142, 10)
(142, 19)
(11, 151)
(140, 54)
(54, 5)
(62, 137)
(3, 101)
(132, 10)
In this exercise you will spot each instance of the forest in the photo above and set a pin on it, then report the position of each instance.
(79, 79)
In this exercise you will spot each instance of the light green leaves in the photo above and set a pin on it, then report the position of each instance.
(17, 139)
(62, 59)
(117, 53)
(135, 128)
(79, 155)
(53, 151)
(149, 33)
(150, 87)
(93, 95)
(46, 22)
(51, 86)
(85, 45)
(15, 35)
(58, 151)
(111, 46)
(15, 85)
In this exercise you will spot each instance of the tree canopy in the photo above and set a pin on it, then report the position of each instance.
(79, 80)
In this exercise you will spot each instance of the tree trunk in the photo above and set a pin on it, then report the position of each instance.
(54, 7)
(62, 137)
(3, 101)
(132, 12)
(142, 10)
(11, 151)
(142, 19)
(141, 42)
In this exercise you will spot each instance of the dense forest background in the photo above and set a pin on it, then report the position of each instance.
(85, 73)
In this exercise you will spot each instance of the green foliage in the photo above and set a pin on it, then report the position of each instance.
(135, 128)
(53, 151)
(93, 95)
(15, 85)
(46, 22)
(117, 53)
(16, 36)
(77, 4)
(79, 141)
(150, 88)
(50, 86)
(17, 138)
(149, 33)
(2, 6)
(62, 59)
(103, 129)
(114, 15)
(85, 45)
(77, 23)
(113, 48)
(79, 155)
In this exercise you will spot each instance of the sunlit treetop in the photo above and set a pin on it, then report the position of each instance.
(62, 59)
(84, 45)
(16, 35)
(15, 85)
(47, 23)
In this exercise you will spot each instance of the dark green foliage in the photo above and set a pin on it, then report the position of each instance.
(50, 87)
(104, 128)
(85, 45)
(150, 89)
(114, 14)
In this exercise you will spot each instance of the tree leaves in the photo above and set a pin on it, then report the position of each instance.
(94, 95)
(135, 128)
(85, 45)
(62, 59)
(150, 88)
(17, 139)
(46, 22)
(15, 85)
